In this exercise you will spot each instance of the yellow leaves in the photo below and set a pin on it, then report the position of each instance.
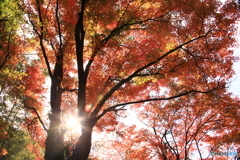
(142, 80)
(12, 78)
(170, 46)
(99, 97)
(147, 5)
(11, 73)
(151, 5)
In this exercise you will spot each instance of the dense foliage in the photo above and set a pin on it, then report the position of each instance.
(169, 61)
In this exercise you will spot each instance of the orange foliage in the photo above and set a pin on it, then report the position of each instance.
(169, 60)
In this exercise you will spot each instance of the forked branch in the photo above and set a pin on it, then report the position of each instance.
(117, 86)
(38, 116)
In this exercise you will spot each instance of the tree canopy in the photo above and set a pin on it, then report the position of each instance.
(170, 61)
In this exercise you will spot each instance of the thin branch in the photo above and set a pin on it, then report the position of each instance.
(150, 74)
(198, 149)
(38, 116)
(113, 108)
(155, 132)
(175, 151)
(153, 99)
(8, 52)
(34, 28)
(167, 98)
(53, 48)
(58, 26)
(120, 109)
(188, 142)
(173, 69)
(116, 30)
(40, 35)
(125, 11)
(195, 56)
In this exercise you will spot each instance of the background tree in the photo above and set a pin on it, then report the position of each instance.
(19, 145)
(15, 87)
(3, 135)
(103, 55)
(179, 129)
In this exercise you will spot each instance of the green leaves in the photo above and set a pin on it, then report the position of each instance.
(17, 145)
(11, 14)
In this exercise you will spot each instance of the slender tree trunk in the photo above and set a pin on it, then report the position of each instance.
(83, 146)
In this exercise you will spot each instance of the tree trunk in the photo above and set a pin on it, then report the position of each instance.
(54, 143)
(83, 146)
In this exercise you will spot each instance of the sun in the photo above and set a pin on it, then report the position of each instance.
(72, 125)
(72, 122)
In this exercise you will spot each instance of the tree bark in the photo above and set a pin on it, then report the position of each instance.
(54, 144)
(54, 141)
(83, 146)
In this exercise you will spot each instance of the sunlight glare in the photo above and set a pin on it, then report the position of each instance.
(72, 122)
(73, 128)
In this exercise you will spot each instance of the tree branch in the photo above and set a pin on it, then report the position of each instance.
(195, 56)
(116, 30)
(117, 86)
(38, 116)
(58, 26)
(8, 52)
(79, 39)
(153, 99)
(40, 35)
(149, 74)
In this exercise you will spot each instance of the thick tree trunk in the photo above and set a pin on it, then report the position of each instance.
(83, 146)
(54, 142)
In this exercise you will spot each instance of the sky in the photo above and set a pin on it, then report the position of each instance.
(235, 84)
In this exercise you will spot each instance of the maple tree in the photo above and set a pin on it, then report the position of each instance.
(18, 145)
(101, 56)
(175, 130)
